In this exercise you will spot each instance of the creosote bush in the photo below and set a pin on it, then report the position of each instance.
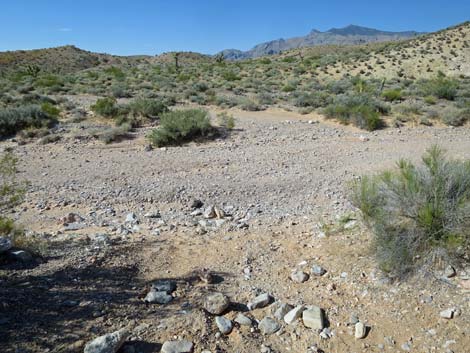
(13, 120)
(106, 107)
(360, 110)
(181, 126)
(418, 212)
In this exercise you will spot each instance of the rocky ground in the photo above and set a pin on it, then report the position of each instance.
(141, 240)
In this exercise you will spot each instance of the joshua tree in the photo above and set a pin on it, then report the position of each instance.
(176, 57)
(219, 58)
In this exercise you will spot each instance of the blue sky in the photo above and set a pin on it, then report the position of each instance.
(128, 27)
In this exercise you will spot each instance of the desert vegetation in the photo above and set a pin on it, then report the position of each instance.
(418, 213)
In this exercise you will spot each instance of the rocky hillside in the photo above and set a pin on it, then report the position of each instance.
(349, 35)
(64, 59)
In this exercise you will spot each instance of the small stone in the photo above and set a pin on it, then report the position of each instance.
(219, 213)
(224, 325)
(216, 303)
(299, 276)
(353, 319)
(243, 320)
(155, 297)
(109, 343)
(154, 214)
(282, 311)
(131, 217)
(209, 212)
(164, 286)
(447, 314)
(318, 270)
(360, 330)
(5, 244)
(313, 318)
(450, 272)
(326, 333)
(268, 326)
(406, 346)
(177, 347)
(294, 314)
(260, 301)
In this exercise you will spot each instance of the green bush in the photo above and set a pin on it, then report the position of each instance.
(441, 87)
(226, 120)
(13, 120)
(11, 190)
(392, 95)
(50, 109)
(455, 117)
(106, 107)
(360, 110)
(417, 211)
(180, 126)
(313, 99)
(149, 108)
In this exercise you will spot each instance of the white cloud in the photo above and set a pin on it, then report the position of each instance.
(65, 29)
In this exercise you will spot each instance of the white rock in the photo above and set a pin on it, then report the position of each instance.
(299, 276)
(216, 303)
(313, 318)
(268, 326)
(260, 301)
(109, 343)
(294, 314)
(243, 320)
(360, 330)
(224, 325)
(177, 347)
(447, 314)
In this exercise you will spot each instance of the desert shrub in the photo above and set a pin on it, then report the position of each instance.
(179, 126)
(360, 110)
(13, 120)
(106, 107)
(120, 91)
(114, 133)
(441, 87)
(50, 109)
(230, 76)
(392, 95)
(226, 120)
(417, 211)
(116, 72)
(149, 108)
(313, 99)
(431, 100)
(265, 98)
(11, 190)
(455, 117)
(249, 105)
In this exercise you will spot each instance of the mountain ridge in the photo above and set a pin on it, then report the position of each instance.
(351, 34)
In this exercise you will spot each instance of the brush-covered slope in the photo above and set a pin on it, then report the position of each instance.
(66, 59)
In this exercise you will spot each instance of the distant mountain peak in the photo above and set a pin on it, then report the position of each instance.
(351, 34)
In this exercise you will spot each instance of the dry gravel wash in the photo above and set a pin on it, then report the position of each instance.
(276, 173)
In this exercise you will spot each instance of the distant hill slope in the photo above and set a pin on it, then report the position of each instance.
(447, 50)
(65, 59)
(336, 36)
